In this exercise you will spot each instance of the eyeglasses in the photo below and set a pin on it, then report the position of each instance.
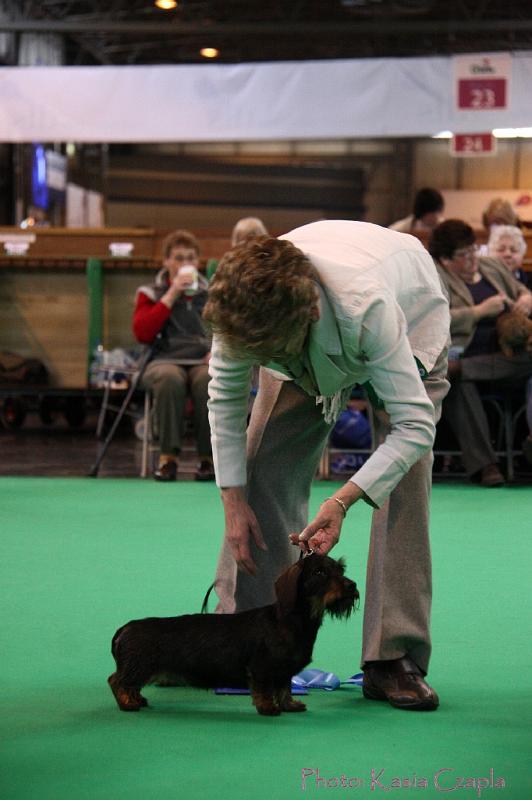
(466, 252)
(188, 257)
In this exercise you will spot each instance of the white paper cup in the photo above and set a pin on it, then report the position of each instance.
(188, 269)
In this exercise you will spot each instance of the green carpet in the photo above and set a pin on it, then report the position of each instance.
(81, 557)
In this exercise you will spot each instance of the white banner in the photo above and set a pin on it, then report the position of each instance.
(312, 99)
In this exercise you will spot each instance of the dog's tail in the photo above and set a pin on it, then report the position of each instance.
(204, 606)
(114, 643)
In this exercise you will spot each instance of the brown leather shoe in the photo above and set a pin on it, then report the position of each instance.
(401, 683)
(205, 471)
(491, 476)
(167, 472)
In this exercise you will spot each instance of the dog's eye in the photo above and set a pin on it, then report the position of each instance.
(320, 572)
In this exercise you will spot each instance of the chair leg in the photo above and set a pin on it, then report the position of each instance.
(509, 437)
(146, 435)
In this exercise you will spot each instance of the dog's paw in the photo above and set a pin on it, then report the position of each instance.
(293, 705)
(127, 699)
(129, 707)
(269, 710)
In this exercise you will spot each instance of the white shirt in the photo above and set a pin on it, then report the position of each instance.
(409, 225)
(381, 304)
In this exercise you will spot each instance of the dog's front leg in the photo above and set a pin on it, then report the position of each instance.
(263, 698)
(286, 702)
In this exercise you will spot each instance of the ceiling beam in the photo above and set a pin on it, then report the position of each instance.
(344, 28)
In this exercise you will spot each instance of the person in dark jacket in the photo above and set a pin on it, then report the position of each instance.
(480, 290)
(168, 312)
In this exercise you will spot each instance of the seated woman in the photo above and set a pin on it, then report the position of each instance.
(245, 230)
(171, 307)
(479, 289)
(507, 243)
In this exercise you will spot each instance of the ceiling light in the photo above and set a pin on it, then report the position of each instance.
(499, 133)
(209, 52)
(513, 133)
(166, 5)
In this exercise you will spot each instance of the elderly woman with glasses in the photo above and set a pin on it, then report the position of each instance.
(507, 243)
(479, 289)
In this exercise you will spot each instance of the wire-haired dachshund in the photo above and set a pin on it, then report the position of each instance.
(261, 648)
(515, 333)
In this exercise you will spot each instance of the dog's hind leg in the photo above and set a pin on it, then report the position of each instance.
(128, 698)
(286, 702)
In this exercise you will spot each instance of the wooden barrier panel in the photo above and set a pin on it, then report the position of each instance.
(44, 297)
(45, 315)
(70, 247)
(83, 243)
(47, 310)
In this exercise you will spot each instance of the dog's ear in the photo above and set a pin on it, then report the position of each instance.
(286, 588)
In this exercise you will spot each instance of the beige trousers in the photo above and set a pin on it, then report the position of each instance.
(286, 437)
(171, 384)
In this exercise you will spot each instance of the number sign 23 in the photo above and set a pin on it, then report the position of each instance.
(482, 94)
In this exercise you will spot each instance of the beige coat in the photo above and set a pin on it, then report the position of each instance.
(463, 323)
(381, 304)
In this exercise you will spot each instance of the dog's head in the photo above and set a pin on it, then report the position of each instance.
(318, 584)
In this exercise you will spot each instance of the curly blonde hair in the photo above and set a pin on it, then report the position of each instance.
(263, 292)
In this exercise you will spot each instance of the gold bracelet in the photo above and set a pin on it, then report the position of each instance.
(340, 503)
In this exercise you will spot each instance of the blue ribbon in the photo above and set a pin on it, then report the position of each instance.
(231, 690)
(316, 679)
(354, 680)
(308, 679)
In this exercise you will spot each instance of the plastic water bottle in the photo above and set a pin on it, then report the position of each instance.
(96, 378)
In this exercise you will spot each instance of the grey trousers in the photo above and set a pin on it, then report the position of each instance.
(170, 385)
(286, 437)
(465, 413)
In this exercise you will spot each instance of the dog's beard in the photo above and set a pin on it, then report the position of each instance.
(340, 608)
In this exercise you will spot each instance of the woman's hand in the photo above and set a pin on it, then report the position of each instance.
(240, 525)
(323, 532)
(524, 304)
(180, 282)
(492, 306)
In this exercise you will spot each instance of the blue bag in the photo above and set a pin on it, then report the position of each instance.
(352, 430)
